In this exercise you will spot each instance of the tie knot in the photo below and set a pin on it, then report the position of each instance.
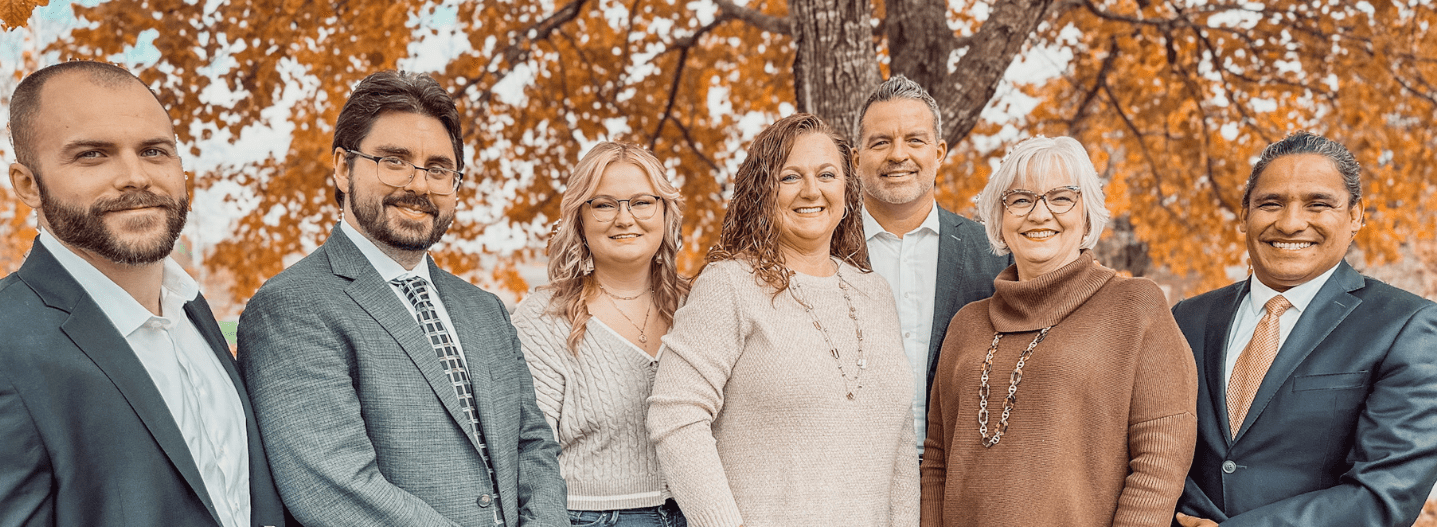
(411, 284)
(1277, 305)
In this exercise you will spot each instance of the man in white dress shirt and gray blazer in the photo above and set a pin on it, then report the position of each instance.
(935, 261)
(389, 391)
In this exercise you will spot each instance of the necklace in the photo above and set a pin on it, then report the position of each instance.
(643, 338)
(1014, 379)
(856, 381)
(614, 296)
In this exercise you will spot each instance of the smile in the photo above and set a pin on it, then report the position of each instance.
(626, 236)
(898, 174)
(1291, 246)
(808, 210)
(413, 213)
(1040, 235)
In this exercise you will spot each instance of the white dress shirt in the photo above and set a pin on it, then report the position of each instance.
(910, 264)
(389, 269)
(194, 385)
(1252, 308)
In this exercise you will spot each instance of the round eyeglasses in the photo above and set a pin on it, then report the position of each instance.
(641, 207)
(397, 172)
(1020, 202)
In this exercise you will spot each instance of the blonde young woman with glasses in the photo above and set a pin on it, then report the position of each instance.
(592, 336)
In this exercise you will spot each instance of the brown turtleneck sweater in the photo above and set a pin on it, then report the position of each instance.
(1103, 429)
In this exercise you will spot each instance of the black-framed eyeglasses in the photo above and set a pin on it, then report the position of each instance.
(397, 172)
(1020, 202)
(641, 206)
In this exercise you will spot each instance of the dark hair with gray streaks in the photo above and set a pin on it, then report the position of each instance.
(1304, 142)
(898, 87)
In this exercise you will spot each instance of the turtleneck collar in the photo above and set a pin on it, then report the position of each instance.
(1047, 299)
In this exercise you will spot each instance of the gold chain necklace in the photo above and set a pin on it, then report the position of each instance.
(1013, 380)
(856, 383)
(611, 295)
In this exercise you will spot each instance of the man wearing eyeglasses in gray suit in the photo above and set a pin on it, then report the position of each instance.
(388, 391)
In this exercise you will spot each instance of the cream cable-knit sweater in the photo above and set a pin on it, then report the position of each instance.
(596, 405)
(750, 416)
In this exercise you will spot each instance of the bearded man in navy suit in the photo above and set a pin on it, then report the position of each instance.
(1317, 393)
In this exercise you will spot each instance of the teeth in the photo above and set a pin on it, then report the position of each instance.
(1292, 246)
(624, 236)
(1040, 234)
(807, 210)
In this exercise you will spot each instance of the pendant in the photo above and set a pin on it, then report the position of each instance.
(863, 364)
(850, 396)
(643, 338)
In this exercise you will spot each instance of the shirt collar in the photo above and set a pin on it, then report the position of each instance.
(1299, 296)
(871, 227)
(127, 314)
(387, 268)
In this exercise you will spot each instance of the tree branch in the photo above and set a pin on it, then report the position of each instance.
(755, 18)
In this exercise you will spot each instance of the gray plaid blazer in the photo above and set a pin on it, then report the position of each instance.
(361, 424)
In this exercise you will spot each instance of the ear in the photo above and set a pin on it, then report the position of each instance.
(22, 179)
(1356, 215)
(1242, 221)
(942, 150)
(341, 170)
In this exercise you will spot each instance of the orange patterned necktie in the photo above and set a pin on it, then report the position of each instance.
(1252, 365)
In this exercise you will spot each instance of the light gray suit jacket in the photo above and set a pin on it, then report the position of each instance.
(361, 424)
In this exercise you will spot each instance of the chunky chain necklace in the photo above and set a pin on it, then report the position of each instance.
(851, 384)
(643, 337)
(1014, 379)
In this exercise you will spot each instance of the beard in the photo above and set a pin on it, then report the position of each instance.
(899, 195)
(85, 228)
(369, 214)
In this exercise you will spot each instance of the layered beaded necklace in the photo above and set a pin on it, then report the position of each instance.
(1013, 380)
(851, 384)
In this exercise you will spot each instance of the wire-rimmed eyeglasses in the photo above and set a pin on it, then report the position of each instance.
(641, 206)
(397, 172)
(1020, 202)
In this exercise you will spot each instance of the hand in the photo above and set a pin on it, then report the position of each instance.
(1194, 521)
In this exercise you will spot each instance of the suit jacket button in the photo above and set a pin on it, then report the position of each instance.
(486, 500)
(1229, 467)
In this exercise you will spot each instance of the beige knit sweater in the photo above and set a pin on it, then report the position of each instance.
(595, 403)
(1104, 427)
(751, 418)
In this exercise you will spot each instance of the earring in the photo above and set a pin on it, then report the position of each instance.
(587, 266)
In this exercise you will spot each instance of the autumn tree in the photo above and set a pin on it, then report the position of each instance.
(1172, 99)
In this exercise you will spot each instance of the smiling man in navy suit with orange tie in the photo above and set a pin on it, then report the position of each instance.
(1317, 393)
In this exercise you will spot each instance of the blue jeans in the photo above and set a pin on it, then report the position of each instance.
(666, 515)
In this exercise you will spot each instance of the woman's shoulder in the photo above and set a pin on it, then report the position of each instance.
(1135, 293)
(534, 308)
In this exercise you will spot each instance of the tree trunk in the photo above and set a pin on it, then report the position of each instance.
(835, 65)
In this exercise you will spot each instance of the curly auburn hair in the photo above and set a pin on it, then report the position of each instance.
(750, 227)
(568, 250)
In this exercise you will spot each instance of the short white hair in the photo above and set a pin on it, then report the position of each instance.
(1040, 155)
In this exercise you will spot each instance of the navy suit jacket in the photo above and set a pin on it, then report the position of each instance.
(85, 437)
(1343, 429)
(966, 268)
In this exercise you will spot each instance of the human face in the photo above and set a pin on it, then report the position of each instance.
(408, 218)
(1298, 222)
(1043, 242)
(624, 240)
(810, 194)
(107, 180)
(898, 154)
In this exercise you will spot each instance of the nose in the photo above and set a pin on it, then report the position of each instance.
(899, 152)
(418, 181)
(134, 173)
(625, 215)
(809, 187)
(1291, 219)
(1041, 211)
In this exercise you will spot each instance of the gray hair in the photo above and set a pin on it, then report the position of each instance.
(1040, 155)
(1304, 142)
(899, 87)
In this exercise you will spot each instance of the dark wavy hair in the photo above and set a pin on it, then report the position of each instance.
(394, 91)
(750, 227)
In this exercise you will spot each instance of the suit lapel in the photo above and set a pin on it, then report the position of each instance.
(950, 271)
(90, 329)
(1328, 309)
(1219, 323)
(375, 297)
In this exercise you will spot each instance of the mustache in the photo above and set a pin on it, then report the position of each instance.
(413, 201)
(134, 200)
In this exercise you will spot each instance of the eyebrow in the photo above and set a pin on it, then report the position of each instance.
(795, 168)
(82, 144)
(401, 152)
(1311, 196)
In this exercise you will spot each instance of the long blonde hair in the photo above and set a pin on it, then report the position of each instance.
(568, 251)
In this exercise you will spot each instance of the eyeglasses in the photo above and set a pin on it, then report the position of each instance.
(641, 207)
(1021, 202)
(397, 172)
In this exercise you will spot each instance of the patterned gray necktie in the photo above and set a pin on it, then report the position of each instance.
(417, 291)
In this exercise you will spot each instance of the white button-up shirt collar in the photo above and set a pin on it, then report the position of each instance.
(389, 269)
(195, 387)
(1251, 309)
(910, 264)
